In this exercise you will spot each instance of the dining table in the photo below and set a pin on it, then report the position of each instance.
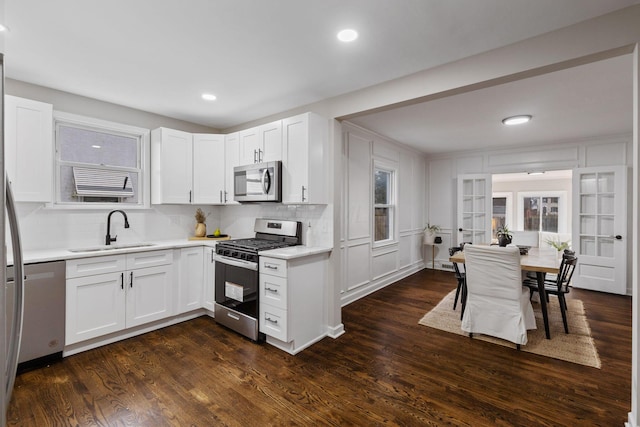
(540, 262)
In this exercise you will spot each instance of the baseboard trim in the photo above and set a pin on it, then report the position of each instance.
(335, 331)
(376, 285)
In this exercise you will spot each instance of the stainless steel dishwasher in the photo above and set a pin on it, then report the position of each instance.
(44, 313)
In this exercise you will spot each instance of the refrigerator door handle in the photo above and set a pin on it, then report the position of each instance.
(18, 268)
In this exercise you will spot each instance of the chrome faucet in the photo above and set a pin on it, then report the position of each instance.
(108, 238)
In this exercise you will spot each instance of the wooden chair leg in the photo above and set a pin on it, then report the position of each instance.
(563, 310)
(463, 299)
(455, 301)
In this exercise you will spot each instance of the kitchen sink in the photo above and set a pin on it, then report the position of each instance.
(111, 247)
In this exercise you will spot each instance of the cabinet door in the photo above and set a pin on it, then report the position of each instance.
(95, 306)
(208, 169)
(29, 148)
(209, 278)
(191, 279)
(270, 142)
(248, 142)
(304, 151)
(295, 148)
(148, 294)
(231, 159)
(171, 166)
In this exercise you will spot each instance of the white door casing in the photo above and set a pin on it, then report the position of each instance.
(600, 228)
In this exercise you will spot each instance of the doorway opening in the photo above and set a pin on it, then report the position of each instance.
(536, 208)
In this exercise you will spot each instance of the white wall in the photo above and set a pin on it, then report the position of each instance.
(365, 267)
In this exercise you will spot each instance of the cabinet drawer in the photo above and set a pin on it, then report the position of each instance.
(273, 290)
(273, 322)
(149, 259)
(275, 266)
(95, 265)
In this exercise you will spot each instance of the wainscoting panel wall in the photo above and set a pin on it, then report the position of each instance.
(368, 268)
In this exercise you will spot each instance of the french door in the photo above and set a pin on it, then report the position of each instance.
(474, 208)
(600, 228)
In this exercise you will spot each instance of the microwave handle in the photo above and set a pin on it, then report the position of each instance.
(266, 181)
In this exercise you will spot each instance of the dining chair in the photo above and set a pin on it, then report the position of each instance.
(461, 290)
(560, 286)
(549, 279)
(497, 304)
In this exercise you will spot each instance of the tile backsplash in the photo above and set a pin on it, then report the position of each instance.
(47, 228)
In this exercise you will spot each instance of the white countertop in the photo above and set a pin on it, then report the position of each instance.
(61, 254)
(292, 252)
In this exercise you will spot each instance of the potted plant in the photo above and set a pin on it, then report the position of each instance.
(201, 227)
(504, 235)
(558, 245)
(430, 232)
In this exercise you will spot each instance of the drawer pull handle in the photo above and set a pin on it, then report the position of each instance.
(275, 291)
(268, 319)
(233, 317)
(271, 267)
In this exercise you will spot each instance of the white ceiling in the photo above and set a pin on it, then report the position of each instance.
(588, 101)
(262, 57)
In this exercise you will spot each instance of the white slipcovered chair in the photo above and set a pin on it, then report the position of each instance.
(497, 303)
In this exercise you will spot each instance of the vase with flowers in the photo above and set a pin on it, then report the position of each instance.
(201, 227)
(559, 246)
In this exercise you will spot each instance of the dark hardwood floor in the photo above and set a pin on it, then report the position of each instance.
(386, 370)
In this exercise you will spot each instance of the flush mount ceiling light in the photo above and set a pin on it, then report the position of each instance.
(347, 35)
(209, 97)
(3, 28)
(516, 120)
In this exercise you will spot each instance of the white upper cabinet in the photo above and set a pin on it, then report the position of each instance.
(261, 144)
(171, 166)
(29, 148)
(187, 168)
(304, 152)
(208, 169)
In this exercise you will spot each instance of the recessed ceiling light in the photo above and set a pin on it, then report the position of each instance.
(347, 35)
(3, 28)
(516, 120)
(209, 97)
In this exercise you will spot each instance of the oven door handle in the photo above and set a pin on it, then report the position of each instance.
(237, 262)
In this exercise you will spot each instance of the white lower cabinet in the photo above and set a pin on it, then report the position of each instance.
(292, 301)
(111, 293)
(191, 278)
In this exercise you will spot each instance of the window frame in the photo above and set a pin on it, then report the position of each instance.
(508, 195)
(143, 137)
(391, 204)
(562, 207)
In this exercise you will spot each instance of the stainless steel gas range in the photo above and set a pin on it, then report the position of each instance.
(237, 274)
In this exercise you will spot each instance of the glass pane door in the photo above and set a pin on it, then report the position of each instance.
(599, 228)
(474, 208)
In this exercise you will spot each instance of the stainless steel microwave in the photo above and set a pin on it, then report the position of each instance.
(259, 182)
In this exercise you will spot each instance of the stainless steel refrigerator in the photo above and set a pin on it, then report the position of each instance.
(11, 296)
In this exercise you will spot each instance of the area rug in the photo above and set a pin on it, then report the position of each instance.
(577, 346)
